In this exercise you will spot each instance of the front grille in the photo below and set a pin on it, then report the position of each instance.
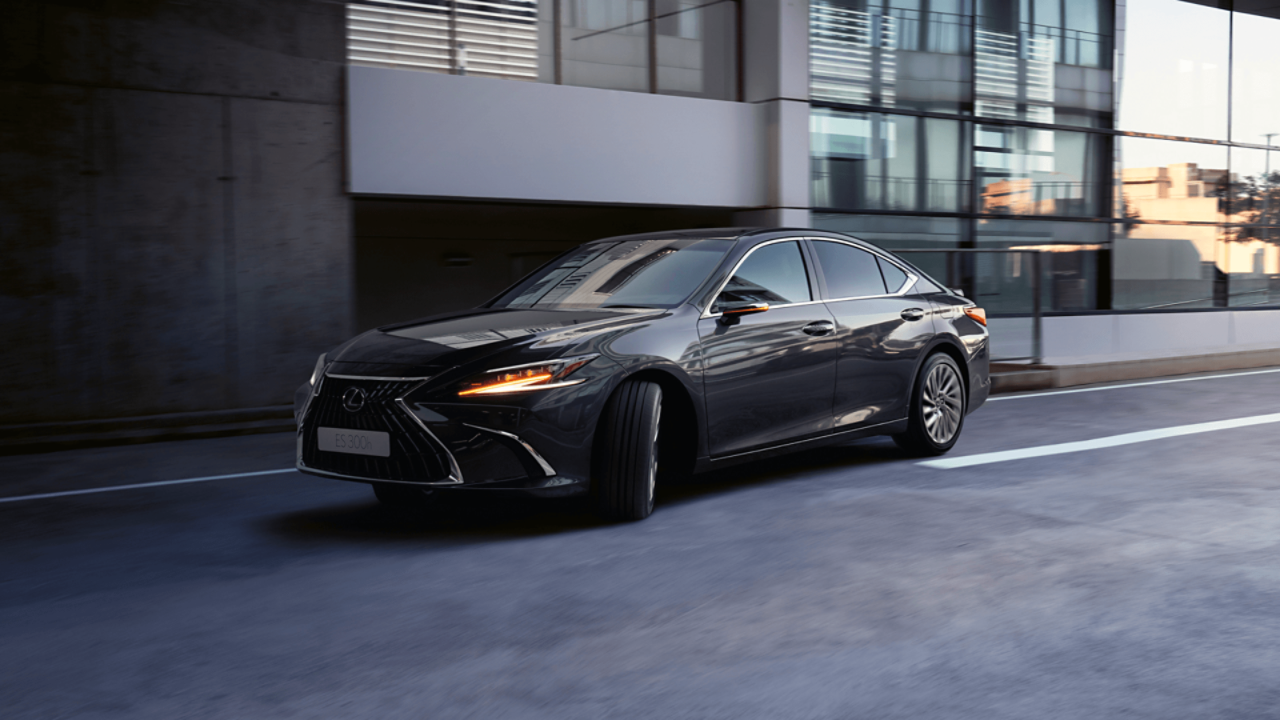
(414, 456)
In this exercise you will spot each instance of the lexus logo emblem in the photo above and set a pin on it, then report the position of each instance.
(353, 399)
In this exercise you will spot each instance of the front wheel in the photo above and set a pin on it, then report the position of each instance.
(937, 408)
(627, 466)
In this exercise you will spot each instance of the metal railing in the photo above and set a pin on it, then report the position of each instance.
(958, 277)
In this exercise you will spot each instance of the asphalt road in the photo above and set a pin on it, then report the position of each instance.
(1137, 581)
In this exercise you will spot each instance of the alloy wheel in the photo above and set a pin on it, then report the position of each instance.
(653, 465)
(943, 403)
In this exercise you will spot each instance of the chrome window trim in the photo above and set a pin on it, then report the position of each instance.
(542, 463)
(707, 312)
(912, 278)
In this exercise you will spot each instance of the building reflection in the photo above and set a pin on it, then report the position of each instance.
(1196, 237)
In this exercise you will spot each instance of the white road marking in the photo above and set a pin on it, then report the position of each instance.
(1099, 443)
(183, 481)
(1129, 385)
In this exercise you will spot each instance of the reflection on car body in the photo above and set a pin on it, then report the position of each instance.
(633, 359)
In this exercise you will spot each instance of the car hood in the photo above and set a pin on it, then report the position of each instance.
(430, 344)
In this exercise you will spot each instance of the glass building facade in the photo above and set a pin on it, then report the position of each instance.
(1129, 142)
(667, 47)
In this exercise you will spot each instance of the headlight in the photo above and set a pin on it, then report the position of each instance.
(524, 378)
(315, 374)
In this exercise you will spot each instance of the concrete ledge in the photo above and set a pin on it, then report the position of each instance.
(1021, 380)
(1006, 377)
(47, 437)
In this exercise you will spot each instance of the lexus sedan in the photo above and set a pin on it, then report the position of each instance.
(635, 359)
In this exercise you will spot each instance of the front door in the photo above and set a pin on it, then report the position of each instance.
(768, 377)
(881, 333)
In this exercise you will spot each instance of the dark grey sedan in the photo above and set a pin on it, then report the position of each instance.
(630, 360)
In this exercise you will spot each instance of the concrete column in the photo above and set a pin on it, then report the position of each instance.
(776, 79)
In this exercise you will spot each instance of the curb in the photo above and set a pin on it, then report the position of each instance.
(1007, 377)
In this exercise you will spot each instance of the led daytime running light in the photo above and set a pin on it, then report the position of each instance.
(507, 385)
(521, 378)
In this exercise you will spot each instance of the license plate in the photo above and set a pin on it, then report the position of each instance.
(356, 442)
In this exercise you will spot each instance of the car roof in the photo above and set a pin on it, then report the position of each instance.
(728, 233)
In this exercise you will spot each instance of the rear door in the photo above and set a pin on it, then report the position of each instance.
(882, 329)
(768, 377)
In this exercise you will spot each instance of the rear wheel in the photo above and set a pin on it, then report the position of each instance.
(627, 466)
(937, 408)
(402, 497)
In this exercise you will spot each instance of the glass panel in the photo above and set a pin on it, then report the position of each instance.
(772, 274)
(1170, 180)
(848, 271)
(1174, 71)
(1070, 253)
(1255, 187)
(1165, 266)
(1035, 63)
(891, 53)
(901, 233)
(605, 44)
(893, 275)
(1251, 254)
(1255, 80)
(697, 48)
(1026, 171)
(871, 161)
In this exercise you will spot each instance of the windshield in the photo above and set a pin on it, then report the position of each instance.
(621, 274)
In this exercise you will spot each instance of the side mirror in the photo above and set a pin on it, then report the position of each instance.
(731, 312)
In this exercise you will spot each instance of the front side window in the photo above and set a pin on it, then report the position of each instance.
(773, 274)
(849, 271)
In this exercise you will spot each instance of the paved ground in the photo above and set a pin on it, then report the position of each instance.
(1140, 581)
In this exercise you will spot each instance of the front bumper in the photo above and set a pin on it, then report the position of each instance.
(532, 441)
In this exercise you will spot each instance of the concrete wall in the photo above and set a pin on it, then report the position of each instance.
(422, 134)
(173, 230)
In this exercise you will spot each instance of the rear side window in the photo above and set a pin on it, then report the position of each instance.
(772, 274)
(894, 278)
(849, 271)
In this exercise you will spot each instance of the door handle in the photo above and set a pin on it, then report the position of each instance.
(911, 314)
(821, 327)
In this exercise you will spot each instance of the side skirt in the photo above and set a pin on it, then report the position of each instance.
(888, 428)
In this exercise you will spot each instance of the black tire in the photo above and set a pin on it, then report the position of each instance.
(938, 404)
(627, 462)
(402, 497)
